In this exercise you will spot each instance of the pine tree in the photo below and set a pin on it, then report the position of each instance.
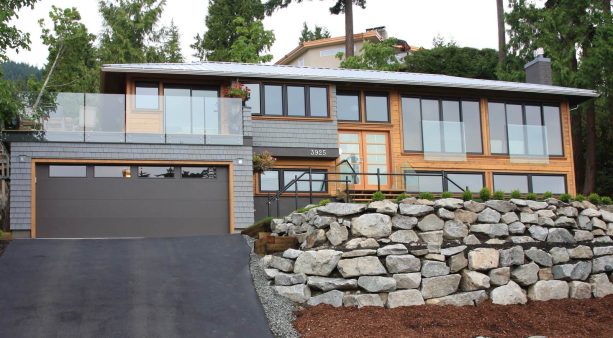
(317, 33)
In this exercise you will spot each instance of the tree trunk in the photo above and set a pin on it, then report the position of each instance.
(348, 28)
(589, 183)
(502, 45)
(577, 134)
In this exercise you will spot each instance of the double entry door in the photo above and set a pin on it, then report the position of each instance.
(367, 152)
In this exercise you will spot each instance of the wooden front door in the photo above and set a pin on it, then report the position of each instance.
(367, 152)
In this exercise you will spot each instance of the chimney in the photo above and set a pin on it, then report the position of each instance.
(539, 70)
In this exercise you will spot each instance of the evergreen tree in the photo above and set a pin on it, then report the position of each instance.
(374, 55)
(168, 46)
(317, 33)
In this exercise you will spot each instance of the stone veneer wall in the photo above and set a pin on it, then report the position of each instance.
(444, 252)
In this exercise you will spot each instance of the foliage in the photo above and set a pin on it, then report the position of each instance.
(234, 33)
(565, 198)
(324, 202)
(374, 55)
(498, 195)
(19, 72)
(547, 194)
(401, 197)
(485, 194)
(580, 198)
(531, 196)
(606, 200)
(237, 90)
(378, 196)
(10, 103)
(426, 196)
(446, 194)
(515, 194)
(262, 225)
(467, 195)
(594, 198)
(317, 33)
(167, 46)
(263, 161)
(337, 8)
(10, 36)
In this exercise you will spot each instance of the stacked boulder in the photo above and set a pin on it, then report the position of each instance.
(446, 252)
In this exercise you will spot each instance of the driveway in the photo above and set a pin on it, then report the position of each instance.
(164, 287)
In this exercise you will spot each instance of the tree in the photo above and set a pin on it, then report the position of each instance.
(502, 45)
(234, 33)
(317, 33)
(374, 55)
(340, 6)
(168, 48)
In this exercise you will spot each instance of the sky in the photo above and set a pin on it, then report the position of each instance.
(471, 23)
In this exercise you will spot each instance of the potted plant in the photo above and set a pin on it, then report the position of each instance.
(237, 90)
(263, 161)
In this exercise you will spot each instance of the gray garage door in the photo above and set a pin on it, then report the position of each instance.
(83, 201)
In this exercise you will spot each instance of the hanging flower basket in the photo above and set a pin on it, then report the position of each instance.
(263, 161)
(237, 90)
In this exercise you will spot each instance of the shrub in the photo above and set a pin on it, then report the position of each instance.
(515, 194)
(579, 198)
(378, 196)
(467, 195)
(565, 198)
(547, 194)
(401, 197)
(498, 195)
(324, 202)
(531, 196)
(485, 194)
(594, 198)
(606, 200)
(426, 196)
(446, 194)
(263, 161)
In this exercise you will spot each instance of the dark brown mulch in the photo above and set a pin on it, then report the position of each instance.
(3, 245)
(557, 318)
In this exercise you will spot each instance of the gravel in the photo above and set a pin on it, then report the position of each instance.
(279, 310)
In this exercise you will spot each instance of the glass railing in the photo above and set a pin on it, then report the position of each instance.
(444, 141)
(118, 118)
(528, 143)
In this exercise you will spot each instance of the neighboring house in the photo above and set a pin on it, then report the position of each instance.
(322, 53)
(159, 153)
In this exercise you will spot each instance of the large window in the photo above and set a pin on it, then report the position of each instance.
(523, 129)
(67, 171)
(273, 100)
(349, 106)
(376, 107)
(276, 179)
(433, 181)
(112, 171)
(146, 96)
(254, 98)
(288, 100)
(441, 126)
(536, 183)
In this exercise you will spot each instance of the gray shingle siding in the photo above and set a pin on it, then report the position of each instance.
(21, 171)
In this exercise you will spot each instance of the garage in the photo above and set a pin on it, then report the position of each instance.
(94, 200)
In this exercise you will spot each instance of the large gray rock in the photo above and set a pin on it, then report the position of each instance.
(522, 239)
(601, 285)
(362, 243)
(450, 251)
(500, 276)
(362, 300)
(454, 230)
(528, 218)
(334, 298)
(337, 233)
(583, 235)
(271, 273)
(298, 293)
(590, 212)
(290, 278)
(377, 283)
(319, 263)
(460, 299)
(445, 214)
(579, 290)
(432, 237)
(342, 209)
(404, 222)
(384, 207)
(607, 216)
(544, 221)
(471, 240)
(323, 221)
(435, 287)
(404, 298)
(449, 203)
(508, 294)
(603, 250)
(500, 205)
(519, 202)
(483, 259)
(291, 253)
(392, 249)
(361, 266)
(410, 280)
(565, 222)
(509, 218)
(430, 223)
(402, 263)
(359, 253)
(535, 205)
(457, 262)
(327, 284)
(433, 268)
(404, 236)
(558, 235)
(473, 280)
(372, 226)
(546, 213)
(489, 216)
(415, 209)
(492, 230)
(580, 252)
(474, 206)
(526, 274)
(559, 255)
(602, 264)
(584, 222)
(298, 218)
(598, 223)
(283, 264)
(548, 289)
(538, 232)
(465, 216)
(539, 256)
(518, 228)
(567, 211)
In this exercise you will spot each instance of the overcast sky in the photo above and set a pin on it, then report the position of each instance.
(470, 23)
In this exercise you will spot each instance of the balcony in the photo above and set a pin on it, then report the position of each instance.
(119, 118)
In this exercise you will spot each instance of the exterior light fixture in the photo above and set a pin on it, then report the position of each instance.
(239, 161)
(23, 158)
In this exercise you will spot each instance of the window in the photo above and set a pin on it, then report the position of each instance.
(318, 101)
(156, 172)
(67, 171)
(441, 126)
(146, 96)
(525, 129)
(273, 100)
(296, 101)
(536, 183)
(474, 182)
(376, 108)
(199, 172)
(348, 106)
(433, 181)
(254, 98)
(273, 180)
(426, 182)
(112, 171)
(292, 101)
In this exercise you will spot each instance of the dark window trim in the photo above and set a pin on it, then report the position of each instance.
(263, 99)
(284, 99)
(377, 94)
(445, 184)
(308, 101)
(356, 93)
(281, 180)
(529, 176)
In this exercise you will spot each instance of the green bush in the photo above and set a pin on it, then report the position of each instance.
(547, 194)
(401, 197)
(446, 194)
(594, 198)
(324, 202)
(579, 198)
(485, 194)
(467, 195)
(498, 195)
(531, 196)
(565, 198)
(426, 196)
(606, 200)
(515, 194)
(378, 196)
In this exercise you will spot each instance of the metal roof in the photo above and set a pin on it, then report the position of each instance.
(340, 75)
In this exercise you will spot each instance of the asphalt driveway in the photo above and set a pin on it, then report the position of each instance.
(163, 287)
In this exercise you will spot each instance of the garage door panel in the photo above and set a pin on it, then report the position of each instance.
(131, 207)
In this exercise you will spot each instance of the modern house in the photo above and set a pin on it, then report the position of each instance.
(322, 53)
(160, 153)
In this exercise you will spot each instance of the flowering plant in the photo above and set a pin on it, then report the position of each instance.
(263, 161)
(237, 90)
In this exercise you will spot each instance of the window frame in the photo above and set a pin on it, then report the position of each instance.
(281, 180)
(95, 166)
(445, 183)
(377, 94)
(530, 176)
(284, 99)
(67, 165)
(174, 172)
(147, 84)
(357, 93)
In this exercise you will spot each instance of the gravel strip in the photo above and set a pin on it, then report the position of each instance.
(279, 310)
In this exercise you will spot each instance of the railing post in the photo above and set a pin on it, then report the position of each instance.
(296, 192)
(347, 189)
(310, 187)
(378, 180)
(278, 198)
(445, 182)
(268, 204)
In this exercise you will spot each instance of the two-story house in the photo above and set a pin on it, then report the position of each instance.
(160, 153)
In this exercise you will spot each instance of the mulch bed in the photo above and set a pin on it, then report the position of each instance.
(3, 245)
(557, 318)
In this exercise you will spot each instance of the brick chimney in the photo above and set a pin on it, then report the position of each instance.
(539, 70)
